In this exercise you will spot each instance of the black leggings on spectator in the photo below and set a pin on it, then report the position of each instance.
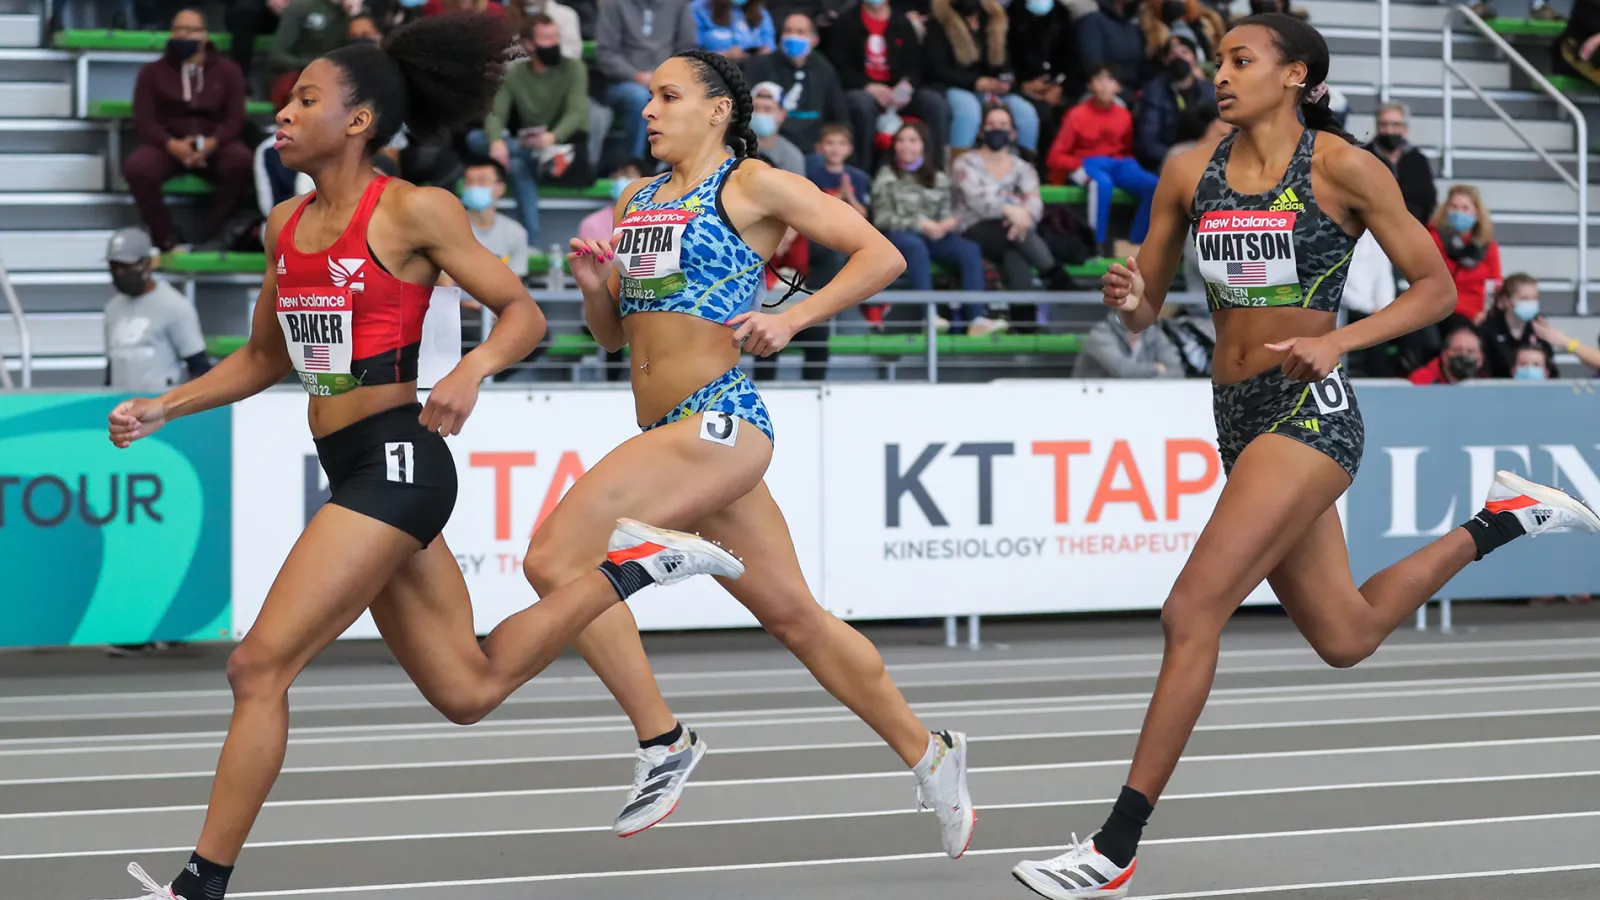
(1017, 260)
(246, 20)
(926, 104)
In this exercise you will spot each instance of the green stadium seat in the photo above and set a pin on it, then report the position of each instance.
(1077, 195)
(1541, 28)
(1571, 84)
(220, 345)
(123, 109)
(135, 41)
(187, 185)
(214, 263)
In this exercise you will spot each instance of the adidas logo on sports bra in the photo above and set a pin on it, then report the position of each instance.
(1287, 202)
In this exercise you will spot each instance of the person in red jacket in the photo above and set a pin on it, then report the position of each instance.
(188, 112)
(1095, 144)
(1463, 231)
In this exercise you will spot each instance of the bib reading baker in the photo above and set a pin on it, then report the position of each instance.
(649, 248)
(1247, 258)
(317, 325)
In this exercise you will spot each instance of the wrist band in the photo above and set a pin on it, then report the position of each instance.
(1572, 345)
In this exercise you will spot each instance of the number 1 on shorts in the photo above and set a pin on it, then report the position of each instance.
(398, 458)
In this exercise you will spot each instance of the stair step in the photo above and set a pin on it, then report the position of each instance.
(1365, 69)
(19, 30)
(52, 172)
(1484, 134)
(57, 334)
(54, 251)
(1525, 196)
(32, 99)
(1364, 14)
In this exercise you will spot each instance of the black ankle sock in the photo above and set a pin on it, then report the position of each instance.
(1491, 530)
(1118, 839)
(202, 879)
(628, 578)
(664, 740)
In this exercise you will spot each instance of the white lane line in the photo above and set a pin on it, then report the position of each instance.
(1465, 647)
(808, 779)
(816, 817)
(1369, 882)
(837, 745)
(1429, 687)
(809, 688)
(904, 857)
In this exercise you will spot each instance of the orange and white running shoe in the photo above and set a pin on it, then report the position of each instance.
(1540, 509)
(670, 556)
(1079, 873)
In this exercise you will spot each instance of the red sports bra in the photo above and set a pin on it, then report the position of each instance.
(347, 322)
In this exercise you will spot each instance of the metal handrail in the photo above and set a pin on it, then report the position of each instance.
(1383, 51)
(24, 337)
(1579, 184)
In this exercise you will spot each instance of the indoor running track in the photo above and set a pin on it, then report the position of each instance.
(1445, 768)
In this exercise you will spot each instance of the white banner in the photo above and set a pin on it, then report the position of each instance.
(1013, 497)
(516, 457)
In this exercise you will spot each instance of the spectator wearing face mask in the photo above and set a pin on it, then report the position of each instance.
(1509, 325)
(812, 96)
(1410, 167)
(566, 19)
(738, 29)
(1162, 20)
(1462, 357)
(1095, 145)
(1533, 363)
(1110, 36)
(1175, 106)
(1464, 233)
(1554, 337)
(881, 70)
(152, 332)
(483, 183)
(542, 107)
(966, 50)
(1044, 58)
(766, 120)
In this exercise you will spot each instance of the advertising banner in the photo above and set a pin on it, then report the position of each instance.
(516, 458)
(1431, 456)
(107, 546)
(1013, 497)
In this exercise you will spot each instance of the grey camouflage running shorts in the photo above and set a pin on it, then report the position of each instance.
(1322, 415)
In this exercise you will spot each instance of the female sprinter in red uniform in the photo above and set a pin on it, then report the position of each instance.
(1292, 198)
(678, 283)
(349, 273)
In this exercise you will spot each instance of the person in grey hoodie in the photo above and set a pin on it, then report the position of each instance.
(631, 38)
(1110, 350)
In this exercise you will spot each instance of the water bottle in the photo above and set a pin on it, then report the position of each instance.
(553, 278)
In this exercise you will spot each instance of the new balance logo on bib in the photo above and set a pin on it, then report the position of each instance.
(1247, 258)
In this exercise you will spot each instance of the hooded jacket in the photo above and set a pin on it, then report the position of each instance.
(176, 99)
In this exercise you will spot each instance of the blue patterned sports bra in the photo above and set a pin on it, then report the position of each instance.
(684, 256)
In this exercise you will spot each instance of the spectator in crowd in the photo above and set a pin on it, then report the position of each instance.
(766, 120)
(1175, 106)
(997, 200)
(188, 113)
(1044, 59)
(1464, 233)
(966, 49)
(1581, 39)
(1110, 36)
(1461, 359)
(1095, 144)
(1533, 363)
(632, 38)
(542, 107)
(880, 63)
(152, 332)
(1407, 163)
(1162, 20)
(483, 183)
(1110, 350)
(363, 28)
(306, 30)
(1261, 7)
(911, 204)
(738, 29)
(1509, 325)
(811, 92)
(565, 17)
(1369, 288)
(601, 224)
(247, 20)
(440, 7)
(830, 170)
(1554, 337)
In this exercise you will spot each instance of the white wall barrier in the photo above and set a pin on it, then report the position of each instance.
(905, 501)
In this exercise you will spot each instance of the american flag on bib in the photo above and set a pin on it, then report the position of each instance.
(317, 358)
(644, 266)
(1247, 273)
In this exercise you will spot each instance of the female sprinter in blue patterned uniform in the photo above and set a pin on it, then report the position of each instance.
(678, 283)
(348, 317)
(1277, 208)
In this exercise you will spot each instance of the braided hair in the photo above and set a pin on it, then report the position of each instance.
(721, 77)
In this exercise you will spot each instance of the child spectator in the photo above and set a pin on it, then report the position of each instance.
(1095, 144)
(829, 169)
(738, 29)
(966, 48)
(1509, 325)
(1464, 233)
(1533, 363)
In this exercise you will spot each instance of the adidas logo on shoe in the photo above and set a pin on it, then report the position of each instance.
(670, 563)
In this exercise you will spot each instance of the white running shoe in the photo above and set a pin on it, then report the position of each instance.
(943, 789)
(1078, 873)
(1540, 509)
(659, 775)
(152, 890)
(670, 556)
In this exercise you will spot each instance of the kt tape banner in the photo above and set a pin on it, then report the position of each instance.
(100, 545)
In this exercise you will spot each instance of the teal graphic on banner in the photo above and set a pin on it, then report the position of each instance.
(107, 546)
(1431, 455)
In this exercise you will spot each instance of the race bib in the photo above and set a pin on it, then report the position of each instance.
(316, 327)
(1248, 259)
(649, 246)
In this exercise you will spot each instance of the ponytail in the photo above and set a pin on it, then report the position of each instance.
(1319, 115)
(721, 77)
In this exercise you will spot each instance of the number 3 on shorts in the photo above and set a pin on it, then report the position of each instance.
(719, 428)
(1331, 393)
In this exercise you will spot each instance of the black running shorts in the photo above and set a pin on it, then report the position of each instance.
(1322, 415)
(390, 468)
